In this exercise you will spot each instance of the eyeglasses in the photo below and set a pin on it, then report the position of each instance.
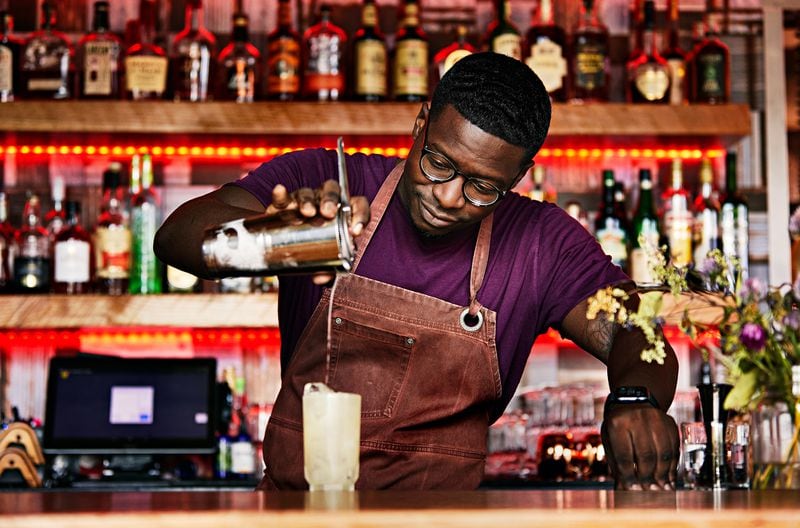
(439, 169)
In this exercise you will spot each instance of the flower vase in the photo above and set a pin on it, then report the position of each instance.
(714, 473)
(775, 428)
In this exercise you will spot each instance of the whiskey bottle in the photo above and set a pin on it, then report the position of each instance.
(449, 55)
(676, 57)
(502, 36)
(678, 218)
(283, 57)
(735, 223)
(706, 210)
(10, 56)
(370, 57)
(590, 60)
(31, 267)
(192, 58)
(238, 64)
(645, 232)
(145, 63)
(610, 226)
(410, 79)
(323, 49)
(145, 274)
(545, 51)
(72, 255)
(710, 64)
(47, 60)
(99, 56)
(648, 72)
(112, 237)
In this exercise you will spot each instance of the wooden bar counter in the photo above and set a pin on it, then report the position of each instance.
(483, 508)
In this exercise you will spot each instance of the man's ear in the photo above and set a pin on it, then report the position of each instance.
(420, 120)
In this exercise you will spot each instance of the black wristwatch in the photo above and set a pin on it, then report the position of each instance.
(630, 395)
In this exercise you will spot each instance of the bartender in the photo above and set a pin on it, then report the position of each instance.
(454, 278)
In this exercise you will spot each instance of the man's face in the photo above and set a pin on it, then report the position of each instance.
(437, 209)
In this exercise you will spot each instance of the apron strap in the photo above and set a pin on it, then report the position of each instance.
(480, 259)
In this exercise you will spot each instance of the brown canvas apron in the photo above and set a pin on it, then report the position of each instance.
(427, 382)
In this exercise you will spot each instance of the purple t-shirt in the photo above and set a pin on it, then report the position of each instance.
(541, 262)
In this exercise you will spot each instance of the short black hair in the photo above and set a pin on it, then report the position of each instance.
(500, 95)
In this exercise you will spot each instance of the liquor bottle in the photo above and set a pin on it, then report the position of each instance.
(47, 60)
(145, 275)
(546, 50)
(610, 227)
(145, 63)
(645, 233)
(224, 408)
(56, 217)
(243, 457)
(238, 64)
(706, 215)
(112, 237)
(676, 57)
(410, 79)
(72, 255)
(370, 57)
(10, 56)
(541, 191)
(192, 57)
(6, 242)
(99, 56)
(590, 60)
(678, 218)
(31, 266)
(620, 205)
(502, 36)
(710, 65)
(637, 28)
(735, 224)
(449, 55)
(323, 51)
(283, 57)
(648, 72)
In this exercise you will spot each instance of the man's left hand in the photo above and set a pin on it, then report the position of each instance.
(642, 447)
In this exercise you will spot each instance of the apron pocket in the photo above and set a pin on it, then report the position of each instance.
(370, 362)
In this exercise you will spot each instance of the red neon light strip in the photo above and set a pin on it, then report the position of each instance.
(140, 337)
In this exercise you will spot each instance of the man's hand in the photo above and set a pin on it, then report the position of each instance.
(642, 447)
(323, 202)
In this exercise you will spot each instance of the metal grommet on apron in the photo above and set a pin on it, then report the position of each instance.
(465, 317)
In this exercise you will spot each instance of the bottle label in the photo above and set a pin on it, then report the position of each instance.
(677, 76)
(679, 233)
(451, 59)
(71, 261)
(371, 70)
(411, 15)
(614, 244)
(411, 68)
(641, 262)
(735, 236)
(651, 81)
(44, 85)
(508, 44)
(705, 234)
(323, 71)
(6, 69)
(283, 66)
(590, 66)
(146, 74)
(180, 281)
(243, 458)
(99, 67)
(547, 60)
(112, 252)
(711, 75)
(32, 273)
(242, 81)
(369, 16)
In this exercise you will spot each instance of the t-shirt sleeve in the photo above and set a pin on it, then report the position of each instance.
(578, 267)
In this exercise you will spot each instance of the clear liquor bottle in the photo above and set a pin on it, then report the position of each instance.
(645, 232)
(502, 36)
(706, 210)
(72, 255)
(677, 218)
(145, 62)
(370, 57)
(112, 237)
(145, 274)
(99, 56)
(611, 228)
(589, 67)
(410, 74)
(735, 222)
(455, 51)
(192, 58)
(10, 58)
(31, 266)
(675, 56)
(47, 60)
(238, 64)
(323, 50)
(283, 57)
(546, 51)
(648, 72)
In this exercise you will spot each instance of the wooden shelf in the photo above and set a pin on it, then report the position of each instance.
(302, 118)
(21, 312)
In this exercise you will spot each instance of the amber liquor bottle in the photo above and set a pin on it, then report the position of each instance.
(238, 64)
(145, 62)
(590, 59)
(648, 73)
(410, 79)
(10, 55)
(193, 55)
(323, 49)
(283, 57)
(98, 57)
(675, 56)
(502, 36)
(112, 237)
(370, 57)
(47, 61)
(546, 51)
(449, 55)
(710, 64)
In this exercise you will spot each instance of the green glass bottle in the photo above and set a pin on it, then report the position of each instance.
(734, 223)
(645, 231)
(145, 219)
